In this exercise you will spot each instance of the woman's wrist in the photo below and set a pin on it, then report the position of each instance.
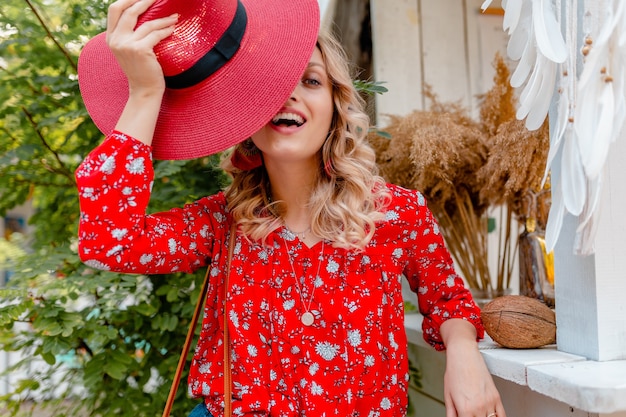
(151, 92)
(140, 115)
(456, 332)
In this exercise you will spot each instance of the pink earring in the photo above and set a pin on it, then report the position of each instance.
(329, 168)
(246, 156)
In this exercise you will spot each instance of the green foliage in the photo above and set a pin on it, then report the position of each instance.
(112, 339)
(370, 87)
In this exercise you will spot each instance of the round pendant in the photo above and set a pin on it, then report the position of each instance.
(307, 318)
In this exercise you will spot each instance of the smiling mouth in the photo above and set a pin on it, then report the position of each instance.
(288, 119)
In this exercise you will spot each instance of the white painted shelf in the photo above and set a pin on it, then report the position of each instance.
(591, 386)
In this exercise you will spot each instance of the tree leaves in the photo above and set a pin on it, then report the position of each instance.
(113, 339)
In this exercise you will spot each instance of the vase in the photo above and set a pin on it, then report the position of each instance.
(536, 267)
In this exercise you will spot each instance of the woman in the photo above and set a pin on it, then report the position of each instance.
(314, 303)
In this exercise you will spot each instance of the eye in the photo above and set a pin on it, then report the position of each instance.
(314, 82)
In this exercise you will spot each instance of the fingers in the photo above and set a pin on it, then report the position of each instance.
(462, 401)
(491, 405)
(122, 19)
(155, 30)
(145, 37)
(500, 410)
(124, 14)
(134, 49)
(450, 408)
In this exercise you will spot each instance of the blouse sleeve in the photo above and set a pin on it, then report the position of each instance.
(441, 292)
(115, 233)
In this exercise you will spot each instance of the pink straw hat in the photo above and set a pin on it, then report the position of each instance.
(229, 67)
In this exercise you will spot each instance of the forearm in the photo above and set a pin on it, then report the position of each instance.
(134, 51)
(140, 115)
(115, 233)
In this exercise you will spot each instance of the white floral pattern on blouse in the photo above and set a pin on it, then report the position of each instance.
(351, 362)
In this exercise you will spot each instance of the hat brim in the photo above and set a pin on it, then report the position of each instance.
(231, 105)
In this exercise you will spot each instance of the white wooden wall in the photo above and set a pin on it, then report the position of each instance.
(447, 44)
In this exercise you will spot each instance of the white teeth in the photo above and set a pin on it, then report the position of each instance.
(288, 116)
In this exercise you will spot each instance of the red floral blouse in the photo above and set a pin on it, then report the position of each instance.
(351, 361)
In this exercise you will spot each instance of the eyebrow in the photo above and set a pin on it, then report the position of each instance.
(316, 64)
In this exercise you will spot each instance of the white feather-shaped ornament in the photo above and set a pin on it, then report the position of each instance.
(525, 65)
(562, 121)
(537, 93)
(591, 111)
(593, 202)
(586, 116)
(512, 15)
(589, 218)
(536, 42)
(559, 125)
(531, 89)
(548, 32)
(573, 180)
(595, 110)
(485, 5)
(600, 112)
(618, 67)
(556, 213)
(522, 35)
(541, 102)
(603, 135)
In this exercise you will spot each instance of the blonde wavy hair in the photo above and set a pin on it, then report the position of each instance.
(349, 197)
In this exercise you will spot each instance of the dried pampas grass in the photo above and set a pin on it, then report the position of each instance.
(517, 158)
(464, 167)
(514, 170)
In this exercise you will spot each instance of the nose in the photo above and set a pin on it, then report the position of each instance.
(295, 94)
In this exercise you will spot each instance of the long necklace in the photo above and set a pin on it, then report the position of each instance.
(307, 318)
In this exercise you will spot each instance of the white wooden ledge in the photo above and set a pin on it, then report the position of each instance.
(590, 386)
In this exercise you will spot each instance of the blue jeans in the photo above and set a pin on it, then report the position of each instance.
(200, 411)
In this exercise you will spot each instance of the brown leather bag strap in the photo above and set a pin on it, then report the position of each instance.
(192, 326)
(227, 372)
(183, 356)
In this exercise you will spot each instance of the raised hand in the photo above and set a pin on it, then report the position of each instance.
(134, 50)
